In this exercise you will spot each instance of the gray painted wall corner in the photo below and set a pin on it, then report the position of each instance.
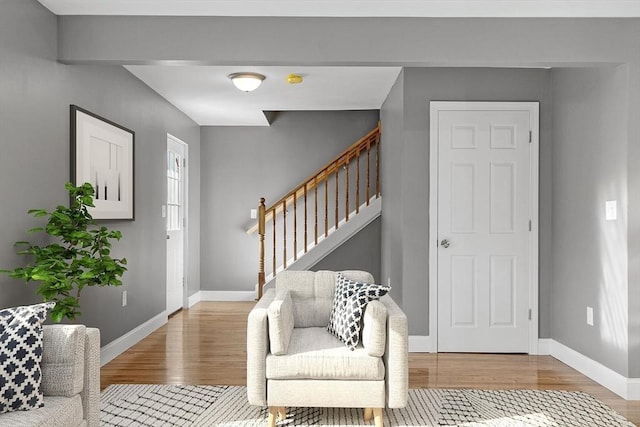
(391, 147)
(590, 268)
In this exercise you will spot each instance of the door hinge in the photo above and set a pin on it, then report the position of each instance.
(530, 136)
(184, 281)
(529, 314)
(529, 225)
(184, 221)
(184, 160)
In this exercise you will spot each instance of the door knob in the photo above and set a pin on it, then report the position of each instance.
(168, 237)
(445, 243)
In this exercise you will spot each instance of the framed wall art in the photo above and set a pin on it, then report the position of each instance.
(102, 154)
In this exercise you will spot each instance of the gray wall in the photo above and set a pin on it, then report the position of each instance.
(590, 254)
(392, 146)
(360, 252)
(407, 172)
(490, 42)
(35, 93)
(246, 163)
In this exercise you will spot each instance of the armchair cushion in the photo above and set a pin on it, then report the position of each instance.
(21, 342)
(349, 303)
(280, 316)
(317, 355)
(374, 329)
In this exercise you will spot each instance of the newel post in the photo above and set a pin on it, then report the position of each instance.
(261, 229)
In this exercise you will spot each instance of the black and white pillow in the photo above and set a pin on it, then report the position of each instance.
(349, 302)
(20, 356)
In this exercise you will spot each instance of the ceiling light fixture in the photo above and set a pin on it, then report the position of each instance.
(246, 82)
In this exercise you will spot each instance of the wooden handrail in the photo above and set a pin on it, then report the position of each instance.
(372, 138)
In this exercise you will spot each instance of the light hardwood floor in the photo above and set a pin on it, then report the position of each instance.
(206, 345)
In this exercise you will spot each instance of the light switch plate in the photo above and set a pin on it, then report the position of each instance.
(590, 316)
(254, 213)
(611, 210)
(164, 211)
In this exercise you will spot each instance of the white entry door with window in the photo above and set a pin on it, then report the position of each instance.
(485, 214)
(176, 206)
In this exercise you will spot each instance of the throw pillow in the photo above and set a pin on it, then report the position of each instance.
(349, 302)
(20, 356)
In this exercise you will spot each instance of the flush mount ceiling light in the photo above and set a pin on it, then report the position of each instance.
(246, 82)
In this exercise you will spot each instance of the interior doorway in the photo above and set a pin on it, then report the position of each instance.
(483, 223)
(176, 216)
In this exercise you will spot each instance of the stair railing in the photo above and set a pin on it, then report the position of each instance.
(363, 154)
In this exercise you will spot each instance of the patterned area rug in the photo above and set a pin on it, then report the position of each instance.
(226, 406)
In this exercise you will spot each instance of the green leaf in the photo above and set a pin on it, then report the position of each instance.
(57, 315)
(34, 230)
(38, 212)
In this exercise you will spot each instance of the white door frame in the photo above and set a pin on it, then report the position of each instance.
(185, 224)
(435, 108)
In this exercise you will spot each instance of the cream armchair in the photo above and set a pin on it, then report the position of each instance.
(292, 361)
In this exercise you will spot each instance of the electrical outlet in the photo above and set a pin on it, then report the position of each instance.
(590, 316)
(124, 298)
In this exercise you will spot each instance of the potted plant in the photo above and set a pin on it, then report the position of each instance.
(78, 256)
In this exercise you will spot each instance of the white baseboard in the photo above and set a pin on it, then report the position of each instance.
(544, 346)
(420, 344)
(633, 388)
(194, 299)
(423, 344)
(224, 296)
(123, 343)
(628, 388)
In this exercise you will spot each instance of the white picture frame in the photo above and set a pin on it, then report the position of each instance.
(102, 153)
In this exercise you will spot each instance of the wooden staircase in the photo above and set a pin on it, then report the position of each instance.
(317, 208)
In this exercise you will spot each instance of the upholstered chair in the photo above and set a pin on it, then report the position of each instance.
(293, 361)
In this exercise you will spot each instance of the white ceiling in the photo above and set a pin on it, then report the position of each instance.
(335, 8)
(206, 94)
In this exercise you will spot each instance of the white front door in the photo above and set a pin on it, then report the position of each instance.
(485, 215)
(176, 203)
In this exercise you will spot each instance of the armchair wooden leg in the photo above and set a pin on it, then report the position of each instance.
(375, 414)
(282, 411)
(368, 414)
(377, 417)
(273, 414)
